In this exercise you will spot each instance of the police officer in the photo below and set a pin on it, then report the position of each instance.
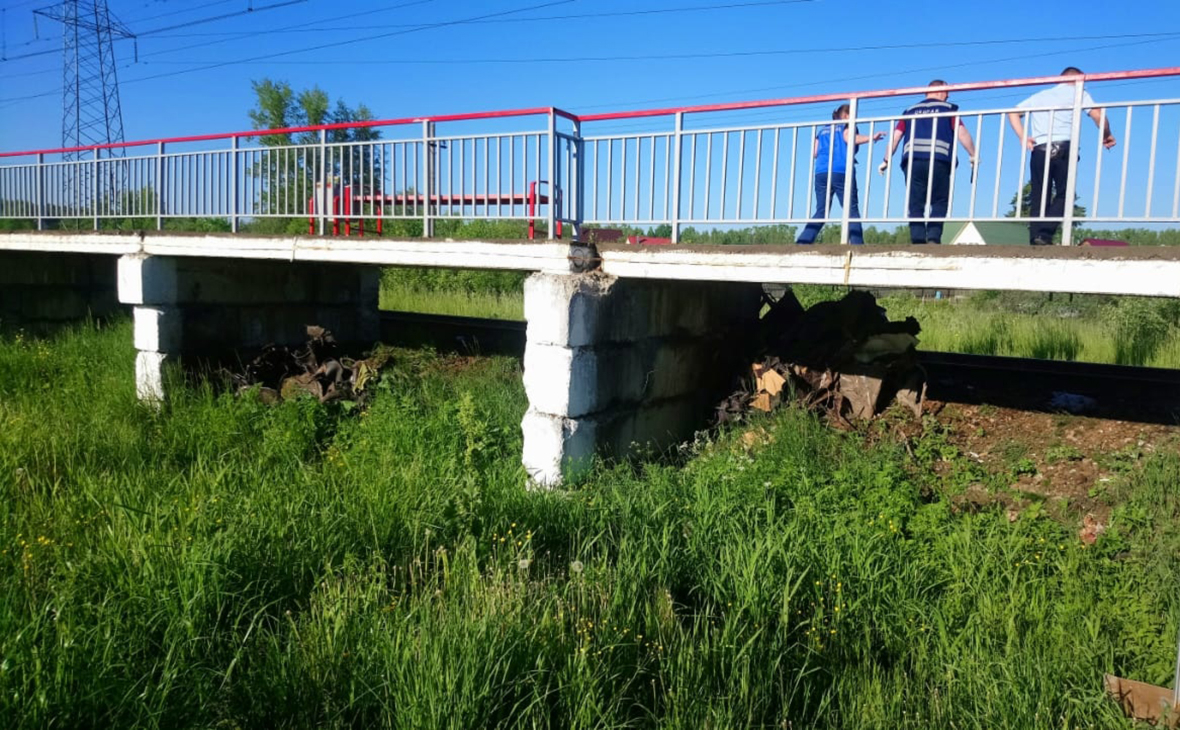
(929, 129)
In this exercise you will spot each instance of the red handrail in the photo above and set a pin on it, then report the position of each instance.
(506, 113)
(726, 106)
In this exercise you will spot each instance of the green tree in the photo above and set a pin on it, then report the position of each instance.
(285, 177)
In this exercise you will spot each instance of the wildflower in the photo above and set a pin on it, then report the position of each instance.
(576, 566)
(524, 563)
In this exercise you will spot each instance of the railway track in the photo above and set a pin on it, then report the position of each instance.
(1109, 391)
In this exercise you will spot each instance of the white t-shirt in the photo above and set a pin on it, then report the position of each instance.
(1059, 98)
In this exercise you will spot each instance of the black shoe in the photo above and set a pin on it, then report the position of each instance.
(1040, 242)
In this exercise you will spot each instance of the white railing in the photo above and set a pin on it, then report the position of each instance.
(679, 169)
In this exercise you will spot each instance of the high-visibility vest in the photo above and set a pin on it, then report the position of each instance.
(930, 136)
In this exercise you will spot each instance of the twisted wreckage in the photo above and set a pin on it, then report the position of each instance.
(844, 357)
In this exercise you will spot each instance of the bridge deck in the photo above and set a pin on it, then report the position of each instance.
(1148, 271)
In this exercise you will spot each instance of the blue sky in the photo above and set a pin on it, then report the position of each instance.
(514, 60)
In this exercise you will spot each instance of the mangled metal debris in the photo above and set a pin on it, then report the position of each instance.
(317, 370)
(844, 357)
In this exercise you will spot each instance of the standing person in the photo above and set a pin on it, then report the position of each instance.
(929, 142)
(830, 151)
(1049, 140)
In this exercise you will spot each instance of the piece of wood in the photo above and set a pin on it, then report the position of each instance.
(1142, 701)
(771, 382)
(762, 402)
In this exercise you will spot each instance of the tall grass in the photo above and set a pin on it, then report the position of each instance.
(220, 563)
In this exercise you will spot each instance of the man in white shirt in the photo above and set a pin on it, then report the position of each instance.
(1049, 139)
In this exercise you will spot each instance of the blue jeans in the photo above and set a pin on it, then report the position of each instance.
(823, 201)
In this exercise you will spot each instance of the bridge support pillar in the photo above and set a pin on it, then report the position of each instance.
(614, 366)
(45, 289)
(204, 309)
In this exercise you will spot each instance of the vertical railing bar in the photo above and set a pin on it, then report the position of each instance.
(94, 187)
(757, 172)
(1021, 167)
(594, 180)
(1045, 170)
(791, 178)
(669, 164)
(978, 159)
(724, 170)
(999, 171)
(708, 170)
(692, 179)
(737, 209)
(1098, 161)
(774, 176)
(1071, 175)
(651, 179)
(1126, 161)
(551, 231)
(233, 184)
(1155, 128)
(1176, 185)
(623, 180)
(638, 176)
(867, 199)
(849, 171)
(610, 178)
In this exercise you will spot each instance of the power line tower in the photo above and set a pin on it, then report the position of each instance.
(91, 113)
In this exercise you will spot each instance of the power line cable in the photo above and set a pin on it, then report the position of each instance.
(686, 56)
(322, 46)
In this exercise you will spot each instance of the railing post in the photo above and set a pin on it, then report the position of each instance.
(41, 192)
(577, 175)
(323, 191)
(160, 186)
(1071, 180)
(233, 184)
(849, 171)
(677, 136)
(427, 177)
(554, 179)
(94, 187)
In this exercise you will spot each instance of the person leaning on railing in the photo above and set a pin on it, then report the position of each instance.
(930, 140)
(830, 151)
(1051, 150)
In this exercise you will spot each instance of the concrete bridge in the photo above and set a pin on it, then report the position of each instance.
(624, 342)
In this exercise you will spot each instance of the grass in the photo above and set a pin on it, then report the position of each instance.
(220, 563)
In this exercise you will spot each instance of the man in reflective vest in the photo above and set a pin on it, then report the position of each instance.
(929, 129)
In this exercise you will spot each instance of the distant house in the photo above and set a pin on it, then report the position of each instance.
(991, 233)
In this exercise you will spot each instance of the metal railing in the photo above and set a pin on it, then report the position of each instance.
(677, 170)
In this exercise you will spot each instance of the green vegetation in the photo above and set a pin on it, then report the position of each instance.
(221, 563)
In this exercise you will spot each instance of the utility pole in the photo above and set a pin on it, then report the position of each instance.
(91, 114)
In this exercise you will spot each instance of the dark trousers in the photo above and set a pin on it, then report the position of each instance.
(1057, 170)
(938, 181)
(823, 200)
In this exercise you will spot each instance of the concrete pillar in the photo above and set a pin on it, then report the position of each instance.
(40, 290)
(206, 309)
(615, 365)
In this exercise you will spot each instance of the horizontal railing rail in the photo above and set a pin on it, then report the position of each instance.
(704, 176)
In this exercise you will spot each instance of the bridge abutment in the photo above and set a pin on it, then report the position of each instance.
(201, 308)
(42, 290)
(613, 366)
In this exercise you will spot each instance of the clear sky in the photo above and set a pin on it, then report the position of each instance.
(406, 57)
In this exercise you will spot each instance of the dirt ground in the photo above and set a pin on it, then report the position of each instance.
(1064, 460)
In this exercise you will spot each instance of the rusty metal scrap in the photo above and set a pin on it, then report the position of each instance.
(844, 357)
(317, 370)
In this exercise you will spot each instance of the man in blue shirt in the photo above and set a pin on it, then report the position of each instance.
(830, 151)
(929, 129)
(1048, 137)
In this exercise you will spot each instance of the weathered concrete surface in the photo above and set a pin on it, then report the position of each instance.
(41, 289)
(208, 308)
(612, 366)
(1136, 270)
